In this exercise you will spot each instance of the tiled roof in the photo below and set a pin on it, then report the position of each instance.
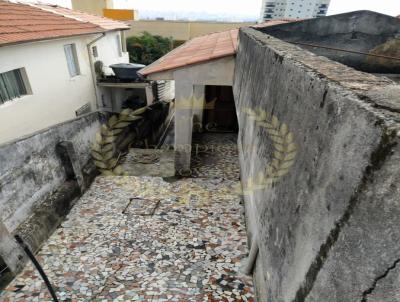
(20, 22)
(105, 23)
(200, 49)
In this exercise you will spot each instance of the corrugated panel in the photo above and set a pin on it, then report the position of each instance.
(165, 91)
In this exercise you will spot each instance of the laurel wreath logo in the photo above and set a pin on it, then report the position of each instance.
(104, 151)
(106, 157)
(195, 103)
(284, 153)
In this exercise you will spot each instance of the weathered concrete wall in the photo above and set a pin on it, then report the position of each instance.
(31, 169)
(328, 229)
(362, 31)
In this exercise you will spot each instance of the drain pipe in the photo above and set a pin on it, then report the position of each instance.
(249, 265)
(91, 63)
(38, 267)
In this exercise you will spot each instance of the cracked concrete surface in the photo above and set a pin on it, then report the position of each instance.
(385, 287)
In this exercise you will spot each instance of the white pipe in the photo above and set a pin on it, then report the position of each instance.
(91, 63)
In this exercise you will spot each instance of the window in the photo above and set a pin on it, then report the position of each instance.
(94, 51)
(72, 59)
(119, 47)
(13, 85)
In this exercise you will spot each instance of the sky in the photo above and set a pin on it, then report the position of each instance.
(243, 7)
(390, 7)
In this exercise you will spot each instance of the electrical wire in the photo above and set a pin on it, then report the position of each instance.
(344, 50)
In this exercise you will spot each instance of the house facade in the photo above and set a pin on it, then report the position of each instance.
(46, 65)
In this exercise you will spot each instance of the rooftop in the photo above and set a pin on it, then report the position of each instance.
(27, 22)
(104, 23)
(201, 49)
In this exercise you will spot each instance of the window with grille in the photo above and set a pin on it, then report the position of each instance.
(72, 59)
(12, 85)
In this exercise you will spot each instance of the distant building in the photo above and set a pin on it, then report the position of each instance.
(297, 9)
(181, 30)
(105, 8)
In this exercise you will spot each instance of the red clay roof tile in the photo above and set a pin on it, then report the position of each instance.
(201, 49)
(105, 23)
(21, 22)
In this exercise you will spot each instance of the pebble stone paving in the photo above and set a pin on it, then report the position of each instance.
(215, 155)
(191, 249)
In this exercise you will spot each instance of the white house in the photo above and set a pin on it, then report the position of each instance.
(46, 64)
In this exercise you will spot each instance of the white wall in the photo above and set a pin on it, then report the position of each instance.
(108, 51)
(191, 81)
(55, 95)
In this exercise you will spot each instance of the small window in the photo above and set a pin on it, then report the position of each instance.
(72, 59)
(94, 51)
(119, 47)
(13, 84)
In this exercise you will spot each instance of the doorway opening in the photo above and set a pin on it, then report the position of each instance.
(220, 111)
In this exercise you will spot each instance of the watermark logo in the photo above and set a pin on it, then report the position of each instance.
(104, 153)
(195, 103)
(106, 157)
(283, 156)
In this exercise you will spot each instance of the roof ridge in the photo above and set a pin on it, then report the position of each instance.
(55, 12)
(74, 14)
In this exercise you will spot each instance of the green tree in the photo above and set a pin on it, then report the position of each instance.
(146, 49)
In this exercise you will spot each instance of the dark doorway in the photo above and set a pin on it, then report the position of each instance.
(220, 111)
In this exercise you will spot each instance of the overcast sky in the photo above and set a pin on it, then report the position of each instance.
(244, 7)
(390, 7)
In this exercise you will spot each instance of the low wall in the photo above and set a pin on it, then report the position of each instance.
(180, 30)
(361, 31)
(30, 168)
(319, 156)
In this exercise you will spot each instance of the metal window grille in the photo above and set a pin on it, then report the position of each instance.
(12, 85)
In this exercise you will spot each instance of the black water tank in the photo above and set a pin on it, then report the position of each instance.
(127, 71)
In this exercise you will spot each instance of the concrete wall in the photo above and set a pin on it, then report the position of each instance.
(30, 168)
(362, 31)
(180, 30)
(327, 227)
(55, 96)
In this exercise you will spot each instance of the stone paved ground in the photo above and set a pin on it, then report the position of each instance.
(215, 155)
(189, 250)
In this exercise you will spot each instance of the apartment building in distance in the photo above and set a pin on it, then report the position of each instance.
(296, 9)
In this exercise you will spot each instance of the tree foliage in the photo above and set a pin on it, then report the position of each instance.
(145, 49)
